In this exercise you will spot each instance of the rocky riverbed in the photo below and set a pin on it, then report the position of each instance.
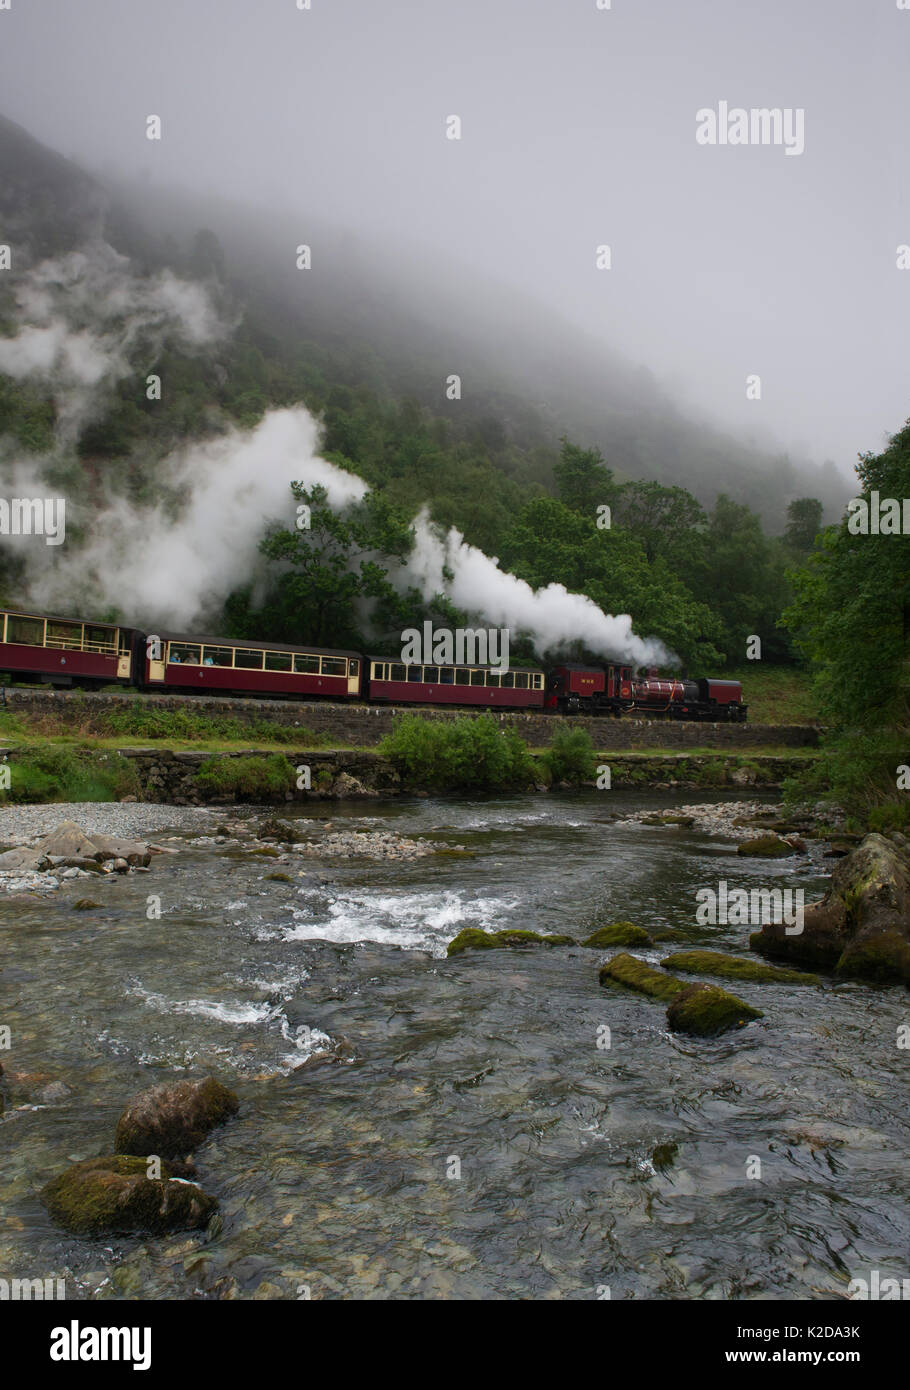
(318, 991)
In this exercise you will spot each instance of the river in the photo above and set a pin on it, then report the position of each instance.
(472, 1140)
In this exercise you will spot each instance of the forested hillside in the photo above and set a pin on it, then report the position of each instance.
(521, 476)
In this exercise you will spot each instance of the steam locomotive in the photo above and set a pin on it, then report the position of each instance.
(66, 652)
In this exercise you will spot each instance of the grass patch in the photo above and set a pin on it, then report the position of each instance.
(775, 694)
(260, 777)
(138, 726)
(50, 772)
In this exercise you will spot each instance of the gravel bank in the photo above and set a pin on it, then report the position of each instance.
(21, 824)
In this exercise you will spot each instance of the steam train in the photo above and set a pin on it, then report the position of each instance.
(64, 652)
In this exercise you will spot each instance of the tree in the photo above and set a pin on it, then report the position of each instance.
(583, 481)
(551, 544)
(332, 573)
(804, 521)
(850, 616)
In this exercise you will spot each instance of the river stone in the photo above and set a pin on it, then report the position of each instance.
(861, 927)
(32, 860)
(635, 974)
(735, 968)
(68, 841)
(173, 1119)
(706, 1009)
(286, 832)
(345, 785)
(473, 939)
(113, 1195)
(768, 847)
(618, 934)
(133, 851)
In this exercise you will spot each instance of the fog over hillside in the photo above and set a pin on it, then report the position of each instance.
(477, 255)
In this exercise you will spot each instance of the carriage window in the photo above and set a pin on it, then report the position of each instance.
(279, 661)
(538, 680)
(462, 677)
(378, 671)
(354, 668)
(521, 680)
(182, 654)
(334, 666)
(217, 656)
(306, 665)
(29, 631)
(415, 673)
(245, 659)
(397, 672)
(431, 675)
(492, 678)
(446, 675)
(477, 677)
(509, 679)
(100, 638)
(67, 634)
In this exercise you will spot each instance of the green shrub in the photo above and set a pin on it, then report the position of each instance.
(570, 756)
(141, 720)
(52, 772)
(890, 815)
(465, 754)
(255, 778)
(857, 771)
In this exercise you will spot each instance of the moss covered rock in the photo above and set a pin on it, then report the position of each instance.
(766, 847)
(635, 974)
(861, 927)
(473, 939)
(734, 968)
(173, 1119)
(668, 819)
(706, 1009)
(618, 934)
(107, 1196)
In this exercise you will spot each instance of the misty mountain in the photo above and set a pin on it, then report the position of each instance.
(399, 320)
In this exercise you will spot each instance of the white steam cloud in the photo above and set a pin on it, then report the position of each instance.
(552, 617)
(171, 572)
(87, 320)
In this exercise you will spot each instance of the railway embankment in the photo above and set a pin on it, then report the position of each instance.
(364, 726)
(201, 777)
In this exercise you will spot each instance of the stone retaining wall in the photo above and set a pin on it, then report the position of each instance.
(363, 726)
(170, 777)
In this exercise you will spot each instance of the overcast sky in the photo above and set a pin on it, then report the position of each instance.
(578, 129)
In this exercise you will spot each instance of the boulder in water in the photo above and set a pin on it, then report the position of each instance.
(706, 1010)
(473, 939)
(173, 1119)
(618, 934)
(114, 1195)
(861, 927)
(635, 974)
